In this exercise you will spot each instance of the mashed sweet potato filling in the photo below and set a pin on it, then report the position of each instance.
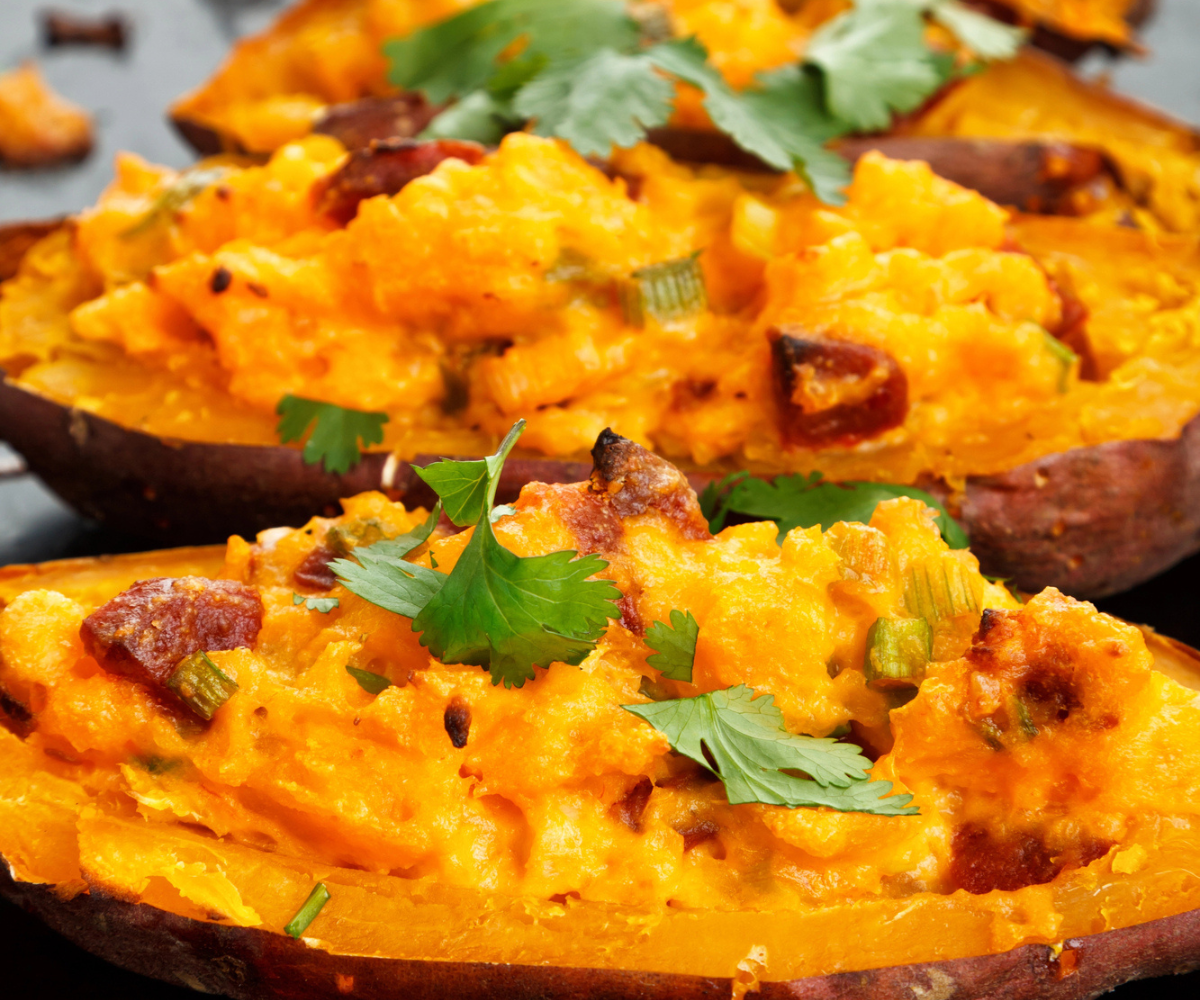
(1054, 768)
(481, 293)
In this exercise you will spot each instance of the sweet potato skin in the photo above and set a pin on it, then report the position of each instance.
(1091, 521)
(254, 964)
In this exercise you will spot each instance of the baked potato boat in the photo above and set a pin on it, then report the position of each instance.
(1036, 372)
(844, 764)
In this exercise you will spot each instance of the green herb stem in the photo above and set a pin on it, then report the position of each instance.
(308, 912)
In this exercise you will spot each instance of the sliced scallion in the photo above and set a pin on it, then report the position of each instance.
(898, 651)
(939, 588)
(201, 684)
(671, 290)
(174, 197)
(308, 912)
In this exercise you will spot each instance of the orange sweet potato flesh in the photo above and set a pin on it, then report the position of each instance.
(1130, 914)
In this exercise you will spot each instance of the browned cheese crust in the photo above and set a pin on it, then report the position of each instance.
(251, 964)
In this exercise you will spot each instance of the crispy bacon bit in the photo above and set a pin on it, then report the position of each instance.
(221, 279)
(457, 720)
(697, 834)
(834, 392)
(61, 28)
(982, 862)
(385, 167)
(629, 810)
(357, 124)
(635, 480)
(144, 633)
(594, 524)
(631, 618)
(314, 572)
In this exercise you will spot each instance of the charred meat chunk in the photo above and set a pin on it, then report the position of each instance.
(108, 31)
(457, 720)
(982, 861)
(629, 809)
(635, 480)
(385, 167)
(144, 633)
(357, 124)
(835, 393)
(314, 572)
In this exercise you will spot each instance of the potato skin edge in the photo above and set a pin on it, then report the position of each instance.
(250, 964)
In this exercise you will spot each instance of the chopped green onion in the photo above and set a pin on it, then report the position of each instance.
(308, 912)
(201, 685)
(1065, 357)
(185, 188)
(898, 650)
(369, 682)
(654, 690)
(667, 291)
(939, 588)
(1021, 710)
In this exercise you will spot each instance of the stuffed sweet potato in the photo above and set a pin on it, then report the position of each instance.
(919, 335)
(322, 56)
(844, 765)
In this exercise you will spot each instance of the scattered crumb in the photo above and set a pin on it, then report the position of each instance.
(37, 127)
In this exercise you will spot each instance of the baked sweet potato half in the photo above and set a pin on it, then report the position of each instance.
(322, 56)
(841, 765)
(1020, 366)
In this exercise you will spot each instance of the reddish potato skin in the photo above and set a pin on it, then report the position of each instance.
(251, 964)
(1091, 521)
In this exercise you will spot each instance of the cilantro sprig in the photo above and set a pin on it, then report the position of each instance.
(586, 72)
(799, 501)
(336, 431)
(674, 646)
(741, 738)
(495, 609)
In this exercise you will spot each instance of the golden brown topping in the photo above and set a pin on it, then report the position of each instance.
(834, 392)
(635, 480)
(144, 633)
(60, 28)
(385, 167)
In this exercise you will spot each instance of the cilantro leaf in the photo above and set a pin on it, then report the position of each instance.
(321, 604)
(742, 739)
(459, 55)
(609, 99)
(803, 501)
(336, 431)
(875, 61)
(480, 117)
(467, 489)
(510, 614)
(675, 646)
(370, 682)
(983, 35)
(384, 577)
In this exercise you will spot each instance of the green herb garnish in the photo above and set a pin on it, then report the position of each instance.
(370, 682)
(671, 290)
(799, 501)
(1066, 358)
(675, 646)
(308, 912)
(741, 739)
(495, 609)
(336, 431)
(321, 604)
(589, 73)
